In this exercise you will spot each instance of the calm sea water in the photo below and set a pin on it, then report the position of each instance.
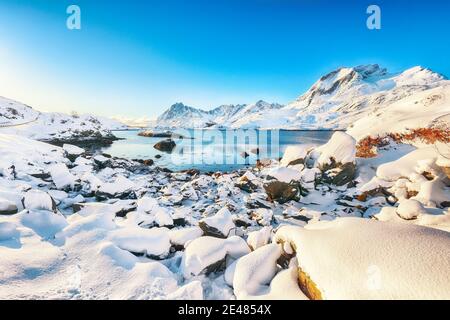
(214, 150)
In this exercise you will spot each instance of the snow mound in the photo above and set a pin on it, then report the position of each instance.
(206, 251)
(153, 242)
(341, 149)
(354, 258)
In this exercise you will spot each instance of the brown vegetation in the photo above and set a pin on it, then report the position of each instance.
(367, 147)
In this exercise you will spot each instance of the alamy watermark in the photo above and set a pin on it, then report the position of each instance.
(225, 147)
(374, 20)
(73, 21)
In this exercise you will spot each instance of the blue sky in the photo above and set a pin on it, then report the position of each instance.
(136, 58)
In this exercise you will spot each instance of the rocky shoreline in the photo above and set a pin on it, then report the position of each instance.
(199, 231)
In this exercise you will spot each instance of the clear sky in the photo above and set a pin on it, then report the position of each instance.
(136, 58)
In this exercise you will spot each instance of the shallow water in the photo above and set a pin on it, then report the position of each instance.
(214, 150)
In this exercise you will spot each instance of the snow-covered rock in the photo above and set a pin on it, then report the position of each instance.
(354, 258)
(259, 238)
(341, 149)
(207, 252)
(294, 155)
(218, 225)
(182, 237)
(153, 242)
(61, 176)
(38, 200)
(410, 209)
(256, 270)
(7, 207)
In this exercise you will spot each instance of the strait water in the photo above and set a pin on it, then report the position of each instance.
(214, 150)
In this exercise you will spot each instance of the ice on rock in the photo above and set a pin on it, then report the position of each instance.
(153, 242)
(38, 200)
(355, 258)
(410, 209)
(61, 176)
(205, 252)
(259, 238)
(218, 225)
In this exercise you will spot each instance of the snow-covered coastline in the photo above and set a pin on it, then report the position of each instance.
(354, 218)
(59, 128)
(80, 226)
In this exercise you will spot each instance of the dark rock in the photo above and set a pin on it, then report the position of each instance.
(42, 176)
(256, 204)
(148, 162)
(9, 209)
(445, 204)
(179, 222)
(244, 155)
(211, 231)
(192, 172)
(246, 185)
(340, 175)
(165, 145)
(241, 223)
(255, 151)
(283, 192)
(158, 156)
(218, 266)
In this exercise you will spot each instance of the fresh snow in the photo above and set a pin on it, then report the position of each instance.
(353, 258)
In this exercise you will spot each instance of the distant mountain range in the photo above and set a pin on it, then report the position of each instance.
(363, 100)
(180, 115)
(336, 101)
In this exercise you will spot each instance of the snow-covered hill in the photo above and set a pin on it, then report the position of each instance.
(348, 94)
(338, 100)
(17, 118)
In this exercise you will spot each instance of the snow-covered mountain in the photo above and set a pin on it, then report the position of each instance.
(180, 115)
(17, 118)
(348, 94)
(336, 101)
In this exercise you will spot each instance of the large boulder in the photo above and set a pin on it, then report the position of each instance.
(363, 259)
(165, 145)
(337, 159)
(283, 192)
